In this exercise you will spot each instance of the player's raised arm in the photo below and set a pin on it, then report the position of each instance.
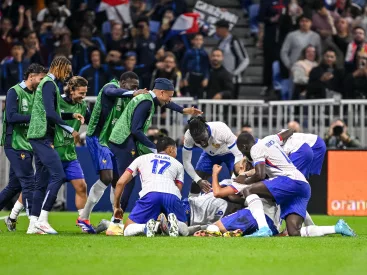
(218, 191)
(284, 135)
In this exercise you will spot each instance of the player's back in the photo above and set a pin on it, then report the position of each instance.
(277, 163)
(159, 173)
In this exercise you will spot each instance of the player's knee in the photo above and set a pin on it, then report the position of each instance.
(81, 188)
(294, 231)
(106, 179)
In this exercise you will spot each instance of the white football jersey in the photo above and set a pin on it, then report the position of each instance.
(221, 141)
(277, 163)
(158, 173)
(295, 141)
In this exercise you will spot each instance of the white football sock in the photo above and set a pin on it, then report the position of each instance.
(95, 194)
(112, 197)
(308, 220)
(43, 216)
(257, 209)
(317, 231)
(134, 229)
(80, 211)
(183, 229)
(192, 229)
(16, 210)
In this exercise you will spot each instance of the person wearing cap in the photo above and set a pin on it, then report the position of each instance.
(128, 138)
(13, 69)
(236, 59)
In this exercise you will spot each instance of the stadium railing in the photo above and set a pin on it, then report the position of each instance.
(314, 116)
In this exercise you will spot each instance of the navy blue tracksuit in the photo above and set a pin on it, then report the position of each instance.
(21, 175)
(126, 152)
(50, 173)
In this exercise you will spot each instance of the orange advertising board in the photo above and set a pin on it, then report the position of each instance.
(347, 183)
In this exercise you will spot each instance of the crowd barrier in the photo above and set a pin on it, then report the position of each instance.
(315, 116)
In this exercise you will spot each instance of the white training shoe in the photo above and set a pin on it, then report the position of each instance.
(45, 227)
(172, 225)
(149, 228)
(34, 230)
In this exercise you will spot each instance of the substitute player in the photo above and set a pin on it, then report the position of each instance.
(17, 115)
(73, 103)
(47, 128)
(128, 138)
(162, 179)
(219, 145)
(286, 185)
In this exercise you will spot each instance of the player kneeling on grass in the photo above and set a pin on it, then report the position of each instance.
(161, 181)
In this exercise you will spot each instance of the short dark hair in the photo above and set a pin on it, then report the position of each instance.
(360, 28)
(34, 68)
(245, 138)
(143, 18)
(128, 75)
(216, 49)
(163, 132)
(95, 49)
(164, 142)
(329, 49)
(197, 126)
(222, 24)
(28, 32)
(193, 36)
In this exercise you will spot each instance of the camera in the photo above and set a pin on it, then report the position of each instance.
(337, 130)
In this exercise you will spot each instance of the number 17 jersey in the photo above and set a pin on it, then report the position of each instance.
(269, 152)
(158, 173)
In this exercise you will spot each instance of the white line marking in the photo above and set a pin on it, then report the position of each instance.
(20, 215)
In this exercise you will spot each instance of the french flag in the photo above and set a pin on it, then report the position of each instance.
(185, 24)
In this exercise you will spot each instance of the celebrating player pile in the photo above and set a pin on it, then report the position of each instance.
(40, 122)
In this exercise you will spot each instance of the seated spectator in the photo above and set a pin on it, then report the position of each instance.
(145, 42)
(342, 38)
(356, 82)
(195, 68)
(89, 20)
(294, 125)
(83, 46)
(118, 40)
(96, 73)
(168, 70)
(357, 45)
(167, 22)
(130, 65)
(246, 128)
(6, 37)
(220, 84)
(114, 63)
(301, 71)
(338, 137)
(138, 9)
(32, 47)
(54, 13)
(361, 20)
(326, 79)
(13, 69)
(323, 21)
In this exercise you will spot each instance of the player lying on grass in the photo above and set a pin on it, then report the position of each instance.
(161, 179)
(243, 222)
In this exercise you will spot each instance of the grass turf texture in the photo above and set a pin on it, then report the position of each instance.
(72, 252)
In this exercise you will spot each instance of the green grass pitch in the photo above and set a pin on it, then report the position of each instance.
(72, 252)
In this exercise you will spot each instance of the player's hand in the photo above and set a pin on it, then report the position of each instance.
(76, 137)
(139, 92)
(79, 117)
(216, 169)
(192, 111)
(204, 186)
(118, 214)
(241, 178)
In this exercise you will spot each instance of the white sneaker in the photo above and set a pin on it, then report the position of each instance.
(173, 225)
(34, 230)
(45, 227)
(149, 228)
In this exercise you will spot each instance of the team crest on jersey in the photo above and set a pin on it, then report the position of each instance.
(22, 156)
(216, 146)
(52, 146)
(133, 152)
(24, 105)
(104, 161)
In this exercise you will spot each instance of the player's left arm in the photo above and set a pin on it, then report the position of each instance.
(218, 191)
(258, 156)
(187, 111)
